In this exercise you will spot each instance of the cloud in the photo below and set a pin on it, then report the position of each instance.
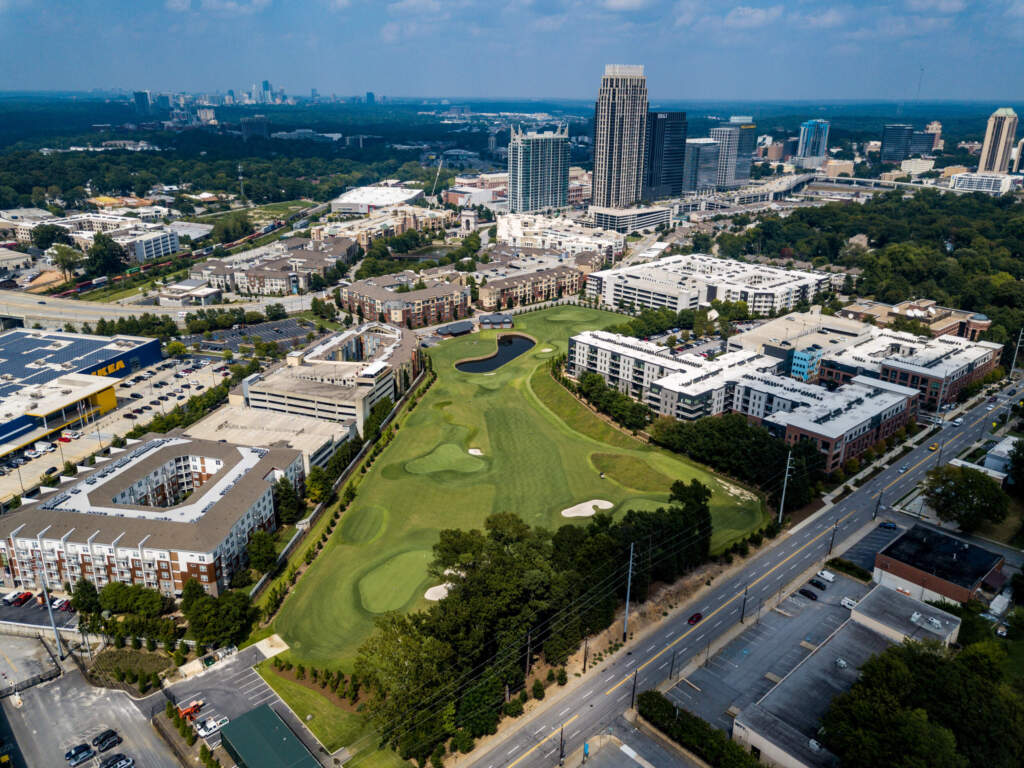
(415, 6)
(234, 6)
(625, 5)
(550, 23)
(936, 6)
(686, 12)
(827, 19)
(746, 17)
(178, 5)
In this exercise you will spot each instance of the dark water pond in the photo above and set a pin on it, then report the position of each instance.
(510, 346)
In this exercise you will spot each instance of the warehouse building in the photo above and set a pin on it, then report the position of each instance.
(261, 739)
(166, 509)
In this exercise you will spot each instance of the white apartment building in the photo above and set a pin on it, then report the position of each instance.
(692, 280)
(990, 183)
(140, 240)
(559, 234)
(627, 220)
(168, 509)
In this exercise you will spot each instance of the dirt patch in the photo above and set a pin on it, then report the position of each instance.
(737, 492)
(586, 508)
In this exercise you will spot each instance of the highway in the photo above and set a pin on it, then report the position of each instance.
(605, 692)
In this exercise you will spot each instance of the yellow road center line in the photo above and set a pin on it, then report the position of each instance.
(535, 746)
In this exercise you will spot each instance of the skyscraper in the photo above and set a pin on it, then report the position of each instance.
(266, 92)
(813, 139)
(538, 170)
(1018, 163)
(370, 98)
(999, 138)
(620, 133)
(935, 129)
(896, 142)
(736, 142)
(665, 152)
(700, 165)
(142, 102)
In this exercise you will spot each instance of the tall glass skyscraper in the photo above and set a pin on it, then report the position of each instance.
(813, 139)
(665, 152)
(620, 135)
(700, 166)
(1000, 135)
(538, 170)
(896, 142)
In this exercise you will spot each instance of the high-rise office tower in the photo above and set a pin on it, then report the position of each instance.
(999, 138)
(620, 132)
(935, 129)
(314, 93)
(266, 92)
(142, 102)
(813, 139)
(700, 165)
(922, 143)
(896, 142)
(736, 142)
(370, 98)
(1018, 163)
(665, 151)
(538, 170)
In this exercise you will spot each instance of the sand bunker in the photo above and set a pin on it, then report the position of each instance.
(587, 508)
(437, 593)
(475, 452)
(548, 349)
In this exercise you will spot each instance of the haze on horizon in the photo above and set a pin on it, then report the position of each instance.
(728, 50)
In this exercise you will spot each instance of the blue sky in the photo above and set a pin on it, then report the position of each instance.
(715, 49)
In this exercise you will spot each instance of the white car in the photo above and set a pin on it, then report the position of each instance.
(827, 576)
(211, 725)
(32, 454)
(74, 435)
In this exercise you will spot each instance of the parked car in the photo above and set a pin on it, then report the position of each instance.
(695, 618)
(808, 593)
(81, 757)
(818, 584)
(136, 395)
(77, 750)
(131, 416)
(21, 599)
(119, 760)
(63, 439)
(211, 725)
(888, 525)
(848, 602)
(826, 576)
(51, 471)
(9, 597)
(107, 740)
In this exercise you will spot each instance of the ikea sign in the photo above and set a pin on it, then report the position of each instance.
(107, 370)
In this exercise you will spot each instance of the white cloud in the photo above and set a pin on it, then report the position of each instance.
(936, 6)
(234, 6)
(415, 6)
(746, 17)
(178, 5)
(625, 5)
(686, 12)
(827, 19)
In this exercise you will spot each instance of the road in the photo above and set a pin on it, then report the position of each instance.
(593, 704)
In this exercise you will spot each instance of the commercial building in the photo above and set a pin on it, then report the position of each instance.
(733, 167)
(340, 379)
(896, 142)
(143, 104)
(395, 299)
(538, 170)
(782, 728)
(940, 321)
(255, 127)
(927, 564)
(141, 241)
(691, 280)
(813, 138)
(557, 234)
(990, 183)
(363, 200)
(386, 222)
(260, 738)
(999, 456)
(1000, 136)
(915, 166)
(542, 285)
(835, 168)
(935, 129)
(467, 196)
(189, 293)
(620, 132)
(627, 220)
(700, 165)
(665, 154)
(166, 509)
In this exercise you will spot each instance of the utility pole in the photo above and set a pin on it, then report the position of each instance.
(743, 610)
(529, 642)
(629, 586)
(1013, 365)
(672, 669)
(632, 698)
(586, 652)
(49, 610)
(785, 481)
(561, 746)
(833, 541)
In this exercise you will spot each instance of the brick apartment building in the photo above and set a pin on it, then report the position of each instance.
(542, 285)
(392, 299)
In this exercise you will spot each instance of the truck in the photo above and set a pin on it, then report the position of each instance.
(43, 447)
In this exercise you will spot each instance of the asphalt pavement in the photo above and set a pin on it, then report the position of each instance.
(606, 691)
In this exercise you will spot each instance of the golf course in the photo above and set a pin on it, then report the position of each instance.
(511, 440)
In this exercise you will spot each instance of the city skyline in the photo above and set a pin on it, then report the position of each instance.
(352, 46)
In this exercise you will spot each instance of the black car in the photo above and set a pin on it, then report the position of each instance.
(51, 471)
(888, 525)
(110, 740)
(120, 760)
(136, 395)
(107, 734)
(818, 584)
(808, 593)
(76, 750)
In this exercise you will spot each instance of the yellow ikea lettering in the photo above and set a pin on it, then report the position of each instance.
(107, 370)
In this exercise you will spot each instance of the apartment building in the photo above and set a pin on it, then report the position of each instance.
(141, 241)
(558, 234)
(542, 285)
(395, 299)
(940, 321)
(169, 509)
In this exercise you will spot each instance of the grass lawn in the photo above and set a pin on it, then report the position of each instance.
(540, 452)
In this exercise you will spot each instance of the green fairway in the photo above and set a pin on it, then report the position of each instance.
(535, 451)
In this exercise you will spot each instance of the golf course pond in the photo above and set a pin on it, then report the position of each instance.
(510, 346)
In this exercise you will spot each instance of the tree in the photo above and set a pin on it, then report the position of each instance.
(262, 554)
(965, 496)
(176, 349)
(318, 484)
(105, 256)
(286, 501)
(45, 235)
(84, 597)
(190, 593)
(66, 259)
(1016, 472)
(276, 312)
(231, 227)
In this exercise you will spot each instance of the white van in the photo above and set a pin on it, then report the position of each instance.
(827, 576)
(848, 602)
(958, 421)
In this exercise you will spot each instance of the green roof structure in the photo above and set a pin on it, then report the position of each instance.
(261, 739)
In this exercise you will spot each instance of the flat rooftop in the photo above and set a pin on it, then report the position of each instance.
(912, 618)
(936, 357)
(687, 269)
(378, 196)
(799, 330)
(834, 414)
(946, 557)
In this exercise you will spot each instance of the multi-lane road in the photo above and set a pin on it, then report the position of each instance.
(606, 691)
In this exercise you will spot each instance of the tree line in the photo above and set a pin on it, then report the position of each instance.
(515, 594)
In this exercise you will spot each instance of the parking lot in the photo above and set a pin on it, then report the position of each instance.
(55, 716)
(863, 552)
(22, 658)
(775, 642)
(143, 394)
(30, 613)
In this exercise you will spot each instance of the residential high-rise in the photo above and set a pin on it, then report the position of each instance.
(999, 138)
(700, 166)
(620, 133)
(665, 151)
(538, 170)
(142, 102)
(896, 142)
(370, 98)
(813, 138)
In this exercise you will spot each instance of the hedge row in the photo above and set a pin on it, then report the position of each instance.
(709, 744)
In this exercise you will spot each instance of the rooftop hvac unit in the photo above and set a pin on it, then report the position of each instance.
(842, 663)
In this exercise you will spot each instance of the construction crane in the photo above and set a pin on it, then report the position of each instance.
(437, 176)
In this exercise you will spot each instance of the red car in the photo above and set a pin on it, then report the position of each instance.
(695, 618)
(21, 599)
(63, 439)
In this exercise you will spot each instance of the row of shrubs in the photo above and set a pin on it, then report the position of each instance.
(743, 546)
(709, 744)
(334, 680)
(144, 681)
(850, 568)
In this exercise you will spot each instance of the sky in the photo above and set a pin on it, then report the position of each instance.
(692, 49)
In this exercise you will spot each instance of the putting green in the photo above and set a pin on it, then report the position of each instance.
(447, 457)
(392, 584)
(542, 450)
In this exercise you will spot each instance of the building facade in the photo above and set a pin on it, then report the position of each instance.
(1000, 136)
(542, 285)
(538, 170)
(896, 142)
(700, 165)
(394, 299)
(813, 138)
(620, 134)
(627, 220)
(665, 155)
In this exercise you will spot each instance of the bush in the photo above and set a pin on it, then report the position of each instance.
(169, 711)
(551, 675)
(136, 643)
(563, 678)
(538, 689)
(849, 568)
(708, 743)
(514, 708)
(150, 644)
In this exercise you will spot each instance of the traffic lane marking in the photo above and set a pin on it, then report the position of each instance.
(553, 733)
(826, 531)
